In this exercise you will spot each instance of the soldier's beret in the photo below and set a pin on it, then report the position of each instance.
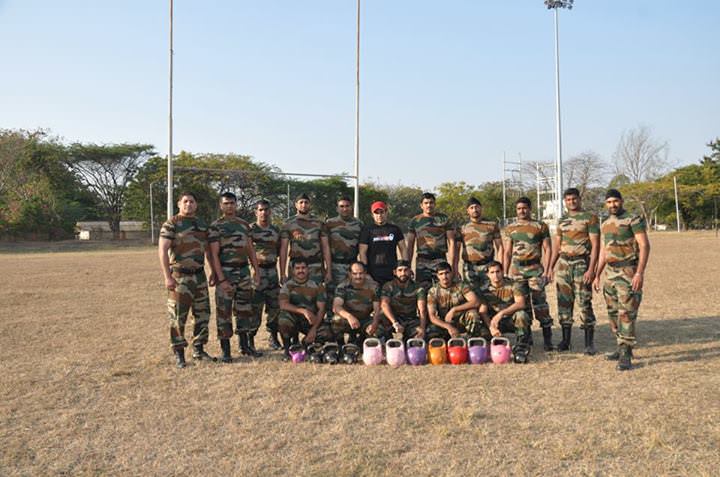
(614, 194)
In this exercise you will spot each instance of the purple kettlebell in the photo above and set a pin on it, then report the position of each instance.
(297, 353)
(477, 348)
(416, 352)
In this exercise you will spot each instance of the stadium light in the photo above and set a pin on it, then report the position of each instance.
(170, 202)
(356, 202)
(556, 5)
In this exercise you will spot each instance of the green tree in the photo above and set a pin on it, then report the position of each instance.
(452, 200)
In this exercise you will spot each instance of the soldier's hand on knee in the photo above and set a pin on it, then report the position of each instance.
(371, 329)
(454, 333)
(419, 332)
(308, 315)
(450, 315)
(353, 322)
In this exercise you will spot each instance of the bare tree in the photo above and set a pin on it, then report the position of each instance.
(639, 156)
(584, 171)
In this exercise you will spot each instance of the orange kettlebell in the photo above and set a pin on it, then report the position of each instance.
(437, 351)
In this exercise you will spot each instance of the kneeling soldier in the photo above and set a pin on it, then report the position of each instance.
(503, 310)
(356, 306)
(402, 301)
(302, 308)
(452, 307)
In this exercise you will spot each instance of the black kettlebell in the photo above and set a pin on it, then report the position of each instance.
(315, 353)
(350, 353)
(331, 353)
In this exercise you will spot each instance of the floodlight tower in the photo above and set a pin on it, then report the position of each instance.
(556, 5)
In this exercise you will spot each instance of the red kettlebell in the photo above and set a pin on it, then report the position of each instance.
(457, 351)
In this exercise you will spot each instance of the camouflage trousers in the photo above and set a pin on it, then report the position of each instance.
(476, 276)
(622, 303)
(570, 287)
(534, 290)
(266, 297)
(191, 293)
(237, 301)
(425, 271)
(467, 323)
(409, 324)
(290, 324)
(519, 323)
(340, 326)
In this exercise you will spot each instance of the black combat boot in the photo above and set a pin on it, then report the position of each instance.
(521, 350)
(286, 348)
(199, 353)
(180, 357)
(251, 345)
(243, 342)
(615, 355)
(273, 341)
(624, 360)
(564, 344)
(225, 347)
(589, 337)
(547, 339)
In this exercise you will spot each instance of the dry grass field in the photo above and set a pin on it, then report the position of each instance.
(89, 387)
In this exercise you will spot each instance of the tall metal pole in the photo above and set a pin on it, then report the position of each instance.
(357, 117)
(504, 200)
(558, 145)
(677, 205)
(152, 215)
(170, 204)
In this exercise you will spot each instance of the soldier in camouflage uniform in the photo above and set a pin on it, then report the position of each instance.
(232, 251)
(435, 239)
(527, 256)
(302, 309)
(452, 307)
(404, 303)
(357, 307)
(503, 310)
(343, 235)
(305, 236)
(575, 249)
(479, 238)
(266, 239)
(625, 252)
(182, 249)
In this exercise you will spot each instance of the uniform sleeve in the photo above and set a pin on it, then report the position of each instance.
(284, 293)
(520, 288)
(637, 224)
(324, 229)
(421, 294)
(506, 233)
(594, 225)
(340, 292)
(411, 226)
(544, 231)
(285, 231)
(432, 300)
(168, 230)
(386, 290)
(213, 233)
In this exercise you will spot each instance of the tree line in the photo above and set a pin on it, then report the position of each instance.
(47, 185)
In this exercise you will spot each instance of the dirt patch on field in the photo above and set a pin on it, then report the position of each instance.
(89, 387)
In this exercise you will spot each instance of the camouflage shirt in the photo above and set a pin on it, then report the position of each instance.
(267, 243)
(403, 299)
(527, 238)
(618, 233)
(344, 236)
(232, 234)
(430, 234)
(441, 299)
(305, 295)
(574, 231)
(304, 234)
(477, 239)
(189, 237)
(358, 301)
(502, 296)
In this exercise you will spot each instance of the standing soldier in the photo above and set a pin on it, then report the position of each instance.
(527, 256)
(302, 308)
(356, 306)
(452, 306)
(576, 247)
(480, 240)
(625, 251)
(402, 301)
(435, 241)
(183, 249)
(231, 251)
(380, 243)
(343, 236)
(266, 240)
(304, 236)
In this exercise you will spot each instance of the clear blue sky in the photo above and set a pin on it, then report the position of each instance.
(446, 86)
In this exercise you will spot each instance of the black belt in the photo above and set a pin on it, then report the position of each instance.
(267, 265)
(622, 263)
(234, 265)
(188, 271)
(525, 263)
(430, 256)
(565, 256)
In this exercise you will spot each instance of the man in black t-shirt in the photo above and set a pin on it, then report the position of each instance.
(379, 243)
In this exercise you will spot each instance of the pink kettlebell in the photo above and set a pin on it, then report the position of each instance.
(297, 353)
(500, 350)
(395, 352)
(478, 351)
(372, 352)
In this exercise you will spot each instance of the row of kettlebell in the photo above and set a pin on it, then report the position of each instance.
(455, 351)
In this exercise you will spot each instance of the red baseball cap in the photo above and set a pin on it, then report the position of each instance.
(378, 205)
